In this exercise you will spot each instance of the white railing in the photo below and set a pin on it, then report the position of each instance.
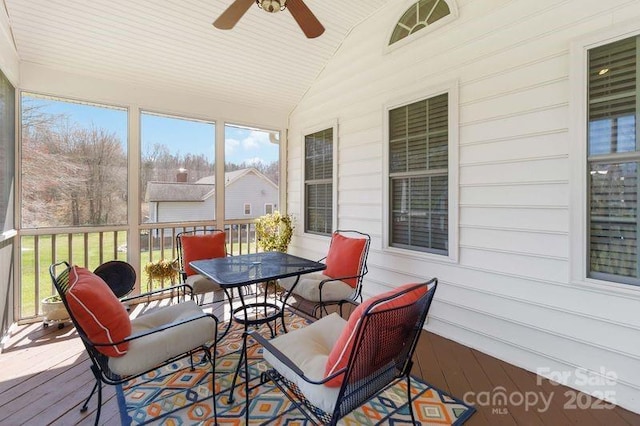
(90, 247)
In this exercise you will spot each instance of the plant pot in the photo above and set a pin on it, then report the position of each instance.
(54, 310)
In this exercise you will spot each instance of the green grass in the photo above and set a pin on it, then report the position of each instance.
(36, 273)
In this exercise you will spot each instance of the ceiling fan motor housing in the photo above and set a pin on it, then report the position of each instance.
(272, 5)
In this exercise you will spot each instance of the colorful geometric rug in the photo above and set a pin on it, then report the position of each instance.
(175, 395)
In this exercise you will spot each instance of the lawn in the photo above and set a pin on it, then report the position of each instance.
(36, 260)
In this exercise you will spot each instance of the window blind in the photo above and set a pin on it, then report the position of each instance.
(613, 161)
(418, 173)
(318, 172)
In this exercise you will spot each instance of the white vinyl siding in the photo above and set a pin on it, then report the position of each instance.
(418, 161)
(510, 286)
(613, 97)
(318, 169)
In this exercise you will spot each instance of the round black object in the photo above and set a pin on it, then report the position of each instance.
(119, 276)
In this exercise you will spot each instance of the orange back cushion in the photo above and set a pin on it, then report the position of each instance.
(345, 257)
(198, 247)
(341, 352)
(98, 311)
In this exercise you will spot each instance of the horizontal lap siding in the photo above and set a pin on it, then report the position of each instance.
(509, 294)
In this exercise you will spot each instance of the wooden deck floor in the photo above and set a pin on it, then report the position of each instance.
(45, 376)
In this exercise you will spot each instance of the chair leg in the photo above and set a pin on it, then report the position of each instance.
(413, 419)
(86, 402)
(213, 385)
(243, 355)
(99, 403)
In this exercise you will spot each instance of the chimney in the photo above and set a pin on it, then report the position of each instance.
(181, 176)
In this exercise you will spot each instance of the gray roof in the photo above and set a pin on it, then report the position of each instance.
(177, 191)
(198, 191)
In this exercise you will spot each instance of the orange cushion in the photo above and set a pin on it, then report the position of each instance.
(341, 352)
(198, 247)
(344, 258)
(98, 311)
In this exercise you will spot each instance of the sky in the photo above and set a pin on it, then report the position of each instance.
(179, 135)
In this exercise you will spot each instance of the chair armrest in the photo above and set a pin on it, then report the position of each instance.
(187, 289)
(338, 279)
(287, 361)
(158, 329)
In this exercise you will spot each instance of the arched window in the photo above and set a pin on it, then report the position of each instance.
(418, 16)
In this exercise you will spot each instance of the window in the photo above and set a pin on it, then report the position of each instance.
(418, 175)
(7, 144)
(419, 16)
(268, 208)
(613, 157)
(318, 182)
(176, 169)
(252, 169)
(83, 149)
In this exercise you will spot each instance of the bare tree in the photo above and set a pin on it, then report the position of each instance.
(71, 175)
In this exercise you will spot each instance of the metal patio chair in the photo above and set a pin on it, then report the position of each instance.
(119, 276)
(341, 282)
(333, 366)
(198, 245)
(132, 347)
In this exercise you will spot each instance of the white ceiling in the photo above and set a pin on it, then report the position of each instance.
(265, 60)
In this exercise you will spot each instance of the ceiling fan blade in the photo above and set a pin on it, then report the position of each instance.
(310, 25)
(232, 15)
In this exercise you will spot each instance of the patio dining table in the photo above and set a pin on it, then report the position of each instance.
(246, 269)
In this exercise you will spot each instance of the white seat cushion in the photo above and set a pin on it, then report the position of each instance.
(202, 284)
(311, 357)
(149, 351)
(309, 288)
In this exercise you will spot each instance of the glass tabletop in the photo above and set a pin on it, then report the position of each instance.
(234, 271)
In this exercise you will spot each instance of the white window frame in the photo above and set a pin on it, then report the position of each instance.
(578, 211)
(331, 124)
(450, 87)
(265, 208)
(245, 209)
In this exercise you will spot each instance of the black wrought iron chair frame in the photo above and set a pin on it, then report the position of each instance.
(100, 362)
(358, 387)
(320, 307)
(183, 272)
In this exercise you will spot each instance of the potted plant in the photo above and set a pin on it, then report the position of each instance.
(162, 270)
(273, 233)
(54, 310)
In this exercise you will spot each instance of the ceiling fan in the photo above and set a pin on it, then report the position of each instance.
(310, 25)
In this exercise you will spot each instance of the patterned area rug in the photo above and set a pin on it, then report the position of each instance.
(175, 395)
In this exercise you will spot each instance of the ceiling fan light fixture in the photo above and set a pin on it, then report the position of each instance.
(272, 6)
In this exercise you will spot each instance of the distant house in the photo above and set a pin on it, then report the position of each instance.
(248, 195)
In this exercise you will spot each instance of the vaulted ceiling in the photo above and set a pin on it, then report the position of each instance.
(265, 60)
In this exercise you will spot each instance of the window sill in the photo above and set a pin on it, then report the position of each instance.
(608, 287)
(422, 256)
(8, 235)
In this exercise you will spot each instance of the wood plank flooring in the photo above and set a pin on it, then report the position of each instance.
(45, 377)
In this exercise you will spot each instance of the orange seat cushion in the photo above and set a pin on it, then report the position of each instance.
(198, 247)
(341, 352)
(345, 258)
(98, 311)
